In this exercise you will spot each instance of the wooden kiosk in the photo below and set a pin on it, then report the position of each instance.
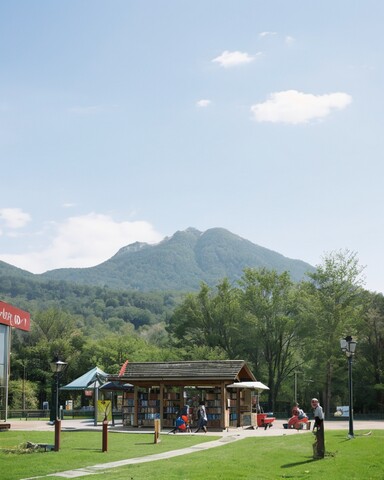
(248, 399)
(161, 389)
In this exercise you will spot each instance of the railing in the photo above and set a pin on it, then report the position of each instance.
(29, 414)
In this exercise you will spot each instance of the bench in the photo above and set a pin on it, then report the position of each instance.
(5, 426)
(38, 414)
(299, 425)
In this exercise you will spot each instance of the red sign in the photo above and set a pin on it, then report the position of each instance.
(14, 317)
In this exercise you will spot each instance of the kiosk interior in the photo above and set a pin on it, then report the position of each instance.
(248, 398)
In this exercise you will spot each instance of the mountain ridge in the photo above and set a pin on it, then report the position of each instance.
(181, 262)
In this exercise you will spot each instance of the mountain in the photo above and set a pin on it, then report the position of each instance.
(10, 271)
(181, 263)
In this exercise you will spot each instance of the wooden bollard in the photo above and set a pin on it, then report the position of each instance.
(157, 431)
(105, 436)
(57, 434)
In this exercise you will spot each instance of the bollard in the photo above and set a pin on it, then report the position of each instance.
(157, 431)
(105, 436)
(57, 434)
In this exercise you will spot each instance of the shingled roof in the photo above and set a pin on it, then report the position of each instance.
(186, 372)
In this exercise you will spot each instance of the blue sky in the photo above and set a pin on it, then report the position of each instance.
(125, 121)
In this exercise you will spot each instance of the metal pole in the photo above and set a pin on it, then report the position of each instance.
(52, 414)
(23, 386)
(350, 434)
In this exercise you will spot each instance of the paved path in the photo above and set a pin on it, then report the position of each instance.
(232, 435)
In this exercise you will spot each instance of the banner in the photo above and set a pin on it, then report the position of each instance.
(104, 410)
(14, 317)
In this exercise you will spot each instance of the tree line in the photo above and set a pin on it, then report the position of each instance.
(287, 332)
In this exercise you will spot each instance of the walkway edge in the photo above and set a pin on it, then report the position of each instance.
(100, 468)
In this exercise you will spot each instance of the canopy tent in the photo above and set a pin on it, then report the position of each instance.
(250, 385)
(116, 387)
(91, 380)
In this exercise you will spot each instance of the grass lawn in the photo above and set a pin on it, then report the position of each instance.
(80, 449)
(259, 458)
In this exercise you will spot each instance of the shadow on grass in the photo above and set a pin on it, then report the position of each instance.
(144, 443)
(296, 464)
(87, 449)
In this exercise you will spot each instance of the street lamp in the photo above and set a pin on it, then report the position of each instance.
(348, 346)
(57, 367)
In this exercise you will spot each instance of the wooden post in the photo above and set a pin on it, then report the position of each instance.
(161, 402)
(105, 436)
(157, 431)
(136, 406)
(57, 434)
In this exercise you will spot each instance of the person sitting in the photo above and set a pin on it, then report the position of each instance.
(298, 418)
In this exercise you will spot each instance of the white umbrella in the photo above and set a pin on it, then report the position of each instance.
(251, 385)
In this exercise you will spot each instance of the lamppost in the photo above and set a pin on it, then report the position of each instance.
(57, 367)
(348, 346)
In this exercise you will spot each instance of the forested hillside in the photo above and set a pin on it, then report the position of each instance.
(101, 309)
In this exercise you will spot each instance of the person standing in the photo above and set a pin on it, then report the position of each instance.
(318, 429)
(202, 417)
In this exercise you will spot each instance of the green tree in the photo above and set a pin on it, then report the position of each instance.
(334, 309)
(270, 303)
(370, 353)
(53, 333)
(23, 394)
(209, 318)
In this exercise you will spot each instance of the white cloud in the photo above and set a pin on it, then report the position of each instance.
(84, 241)
(296, 107)
(203, 103)
(14, 217)
(267, 34)
(289, 40)
(233, 59)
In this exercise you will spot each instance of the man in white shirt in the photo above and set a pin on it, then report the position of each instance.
(318, 429)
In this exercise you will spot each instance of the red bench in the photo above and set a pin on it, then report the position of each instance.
(264, 421)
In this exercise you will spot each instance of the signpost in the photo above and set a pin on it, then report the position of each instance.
(10, 317)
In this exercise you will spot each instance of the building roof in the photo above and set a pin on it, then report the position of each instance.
(89, 381)
(194, 372)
